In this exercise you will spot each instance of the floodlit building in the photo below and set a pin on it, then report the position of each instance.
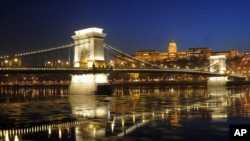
(147, 55)
(229, 54)
(198, 53)
(172, 54)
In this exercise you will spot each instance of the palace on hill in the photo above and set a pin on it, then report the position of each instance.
(172, 57)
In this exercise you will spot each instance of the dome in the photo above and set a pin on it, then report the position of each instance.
(172, 48)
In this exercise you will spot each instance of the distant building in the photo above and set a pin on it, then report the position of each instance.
(172, 47)
(147, 55)
(198, 53)
(229, 54)
(172, 55)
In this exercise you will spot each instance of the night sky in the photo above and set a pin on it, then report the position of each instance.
(130, 25)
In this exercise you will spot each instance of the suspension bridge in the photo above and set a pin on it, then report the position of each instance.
(89, 55)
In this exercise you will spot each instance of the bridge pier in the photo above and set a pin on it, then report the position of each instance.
(90, 84)
(217, 81)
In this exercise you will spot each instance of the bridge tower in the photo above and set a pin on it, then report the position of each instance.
(218, 64)
(89, 49)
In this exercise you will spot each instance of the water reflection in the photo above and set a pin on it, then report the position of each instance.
(86, 83)
(75, 113)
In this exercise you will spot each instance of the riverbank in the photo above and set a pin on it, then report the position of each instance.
(201, 82)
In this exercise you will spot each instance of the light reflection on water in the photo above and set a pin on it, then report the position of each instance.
(131, 113)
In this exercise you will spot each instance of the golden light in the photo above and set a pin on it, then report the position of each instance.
(94, 131)
(60, 133)
(133, 118)
(49, 131)
(89, 30)
(123, 122)
(7, 136)
(112, 126)
(133, 65)
(16, 138)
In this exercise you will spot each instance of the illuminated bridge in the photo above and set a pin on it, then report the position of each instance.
(89, 55)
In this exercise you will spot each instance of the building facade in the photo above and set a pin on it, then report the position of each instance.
(185, 58)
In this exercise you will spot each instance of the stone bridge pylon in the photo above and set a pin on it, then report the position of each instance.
(89, 50)
(218, 64)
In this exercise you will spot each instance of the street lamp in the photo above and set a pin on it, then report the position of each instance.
(58, 63)
(121, 64)
(6, 62)
(142, 65)
(48, 64)
(67, 63)
(15, 63)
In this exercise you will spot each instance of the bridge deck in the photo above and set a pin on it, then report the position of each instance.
(70, 70)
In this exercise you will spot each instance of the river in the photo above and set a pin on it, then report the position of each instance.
(143, 112)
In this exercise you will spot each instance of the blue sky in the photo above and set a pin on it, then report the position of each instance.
(130, 25)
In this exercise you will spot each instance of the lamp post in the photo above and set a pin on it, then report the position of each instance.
(58, 63)
(67, 64)
(15, 62)
(48, 64)
(6, 63)
(142, 65)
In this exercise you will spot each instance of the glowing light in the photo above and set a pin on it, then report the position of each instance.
(101, 112)
(89, 30)
(101, 78)
(7, 136)
(123, 122)
(60, 133)
(112, 126)
(16, 138)
(218, 57)
(90, 63)
(133, 118)
(94, 131)
(218, 116)
(49, 131)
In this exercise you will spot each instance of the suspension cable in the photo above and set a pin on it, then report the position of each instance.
(129, 56)
(231, 69)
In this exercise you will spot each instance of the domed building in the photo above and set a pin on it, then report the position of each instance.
(153, 55)
(172, 48)
(171, 57)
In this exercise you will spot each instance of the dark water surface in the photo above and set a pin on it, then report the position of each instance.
(130, 113)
